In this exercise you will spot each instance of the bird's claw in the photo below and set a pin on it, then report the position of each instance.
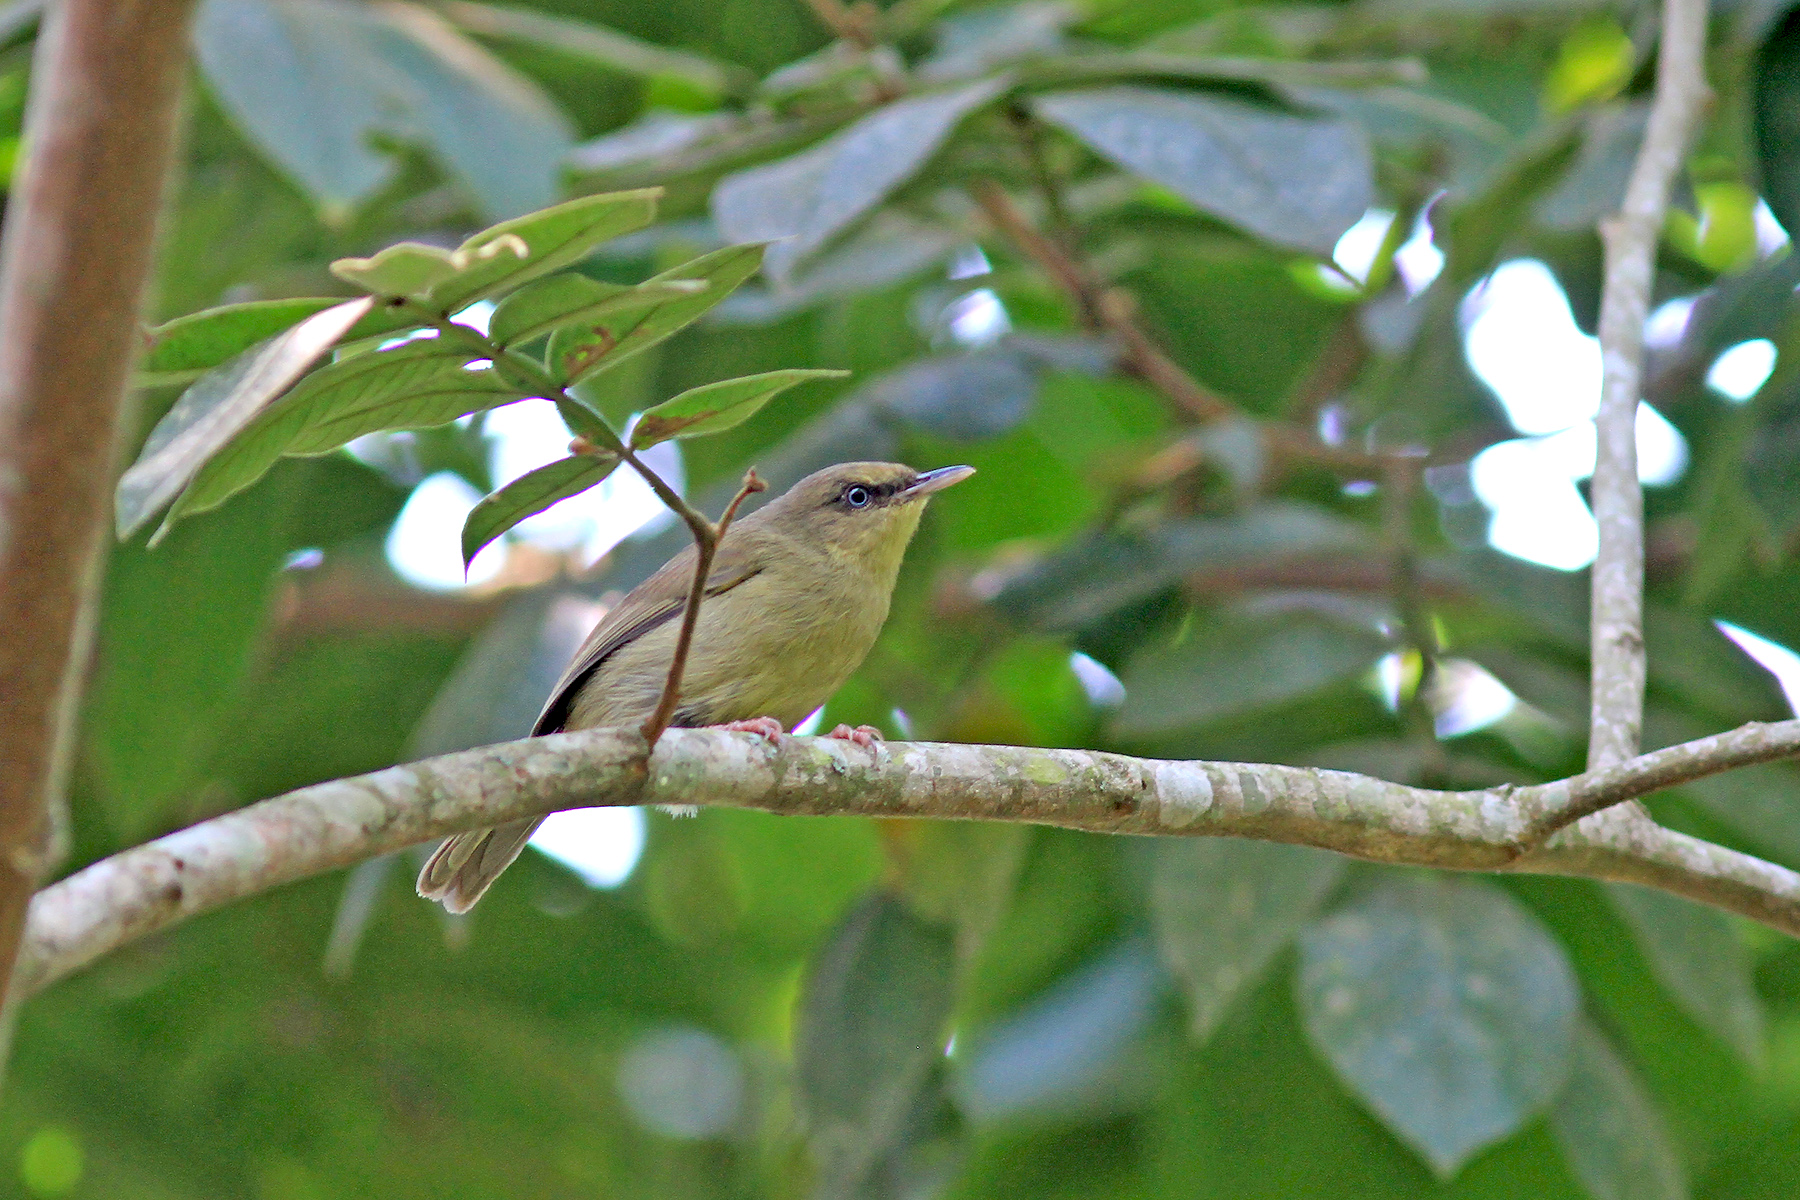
(866, 736)
(767, 728)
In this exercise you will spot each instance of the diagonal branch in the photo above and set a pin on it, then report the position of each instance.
(1631, 236)
(331, 825)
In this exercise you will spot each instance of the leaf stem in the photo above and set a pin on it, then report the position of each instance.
(706, 546)
(529, 377)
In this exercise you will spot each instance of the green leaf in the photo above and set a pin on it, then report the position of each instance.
(597, 43)
(404, 269)
(311, 80)
(1296, 181)
(514, 252)
(1239, 664)
(715, 407)
(1611, 1131)
(182, 349)
(301, 79)
(962, 873)
(528, 495)
(1445, 1006)
(871, 1028)
(576, 354)
(1776, 96)
(218, 406)
(415, 385)
(1223, 909)
(565, 299)
(818, 193)
(1102, 573)
(1696, 953)
(493, 127)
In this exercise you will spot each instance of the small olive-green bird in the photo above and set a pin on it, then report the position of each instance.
(797, 594)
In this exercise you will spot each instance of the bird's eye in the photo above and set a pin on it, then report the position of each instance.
(857, 497)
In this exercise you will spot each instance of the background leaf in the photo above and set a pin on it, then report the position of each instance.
(1295, 181)
(871, 1027)
(1616, 1139)
(1224, 909)
(1445, 1006)
(1697, 954)
(812, 196)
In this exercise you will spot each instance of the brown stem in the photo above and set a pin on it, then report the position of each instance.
(1108, 310)
(706, 545)
(104, 107)
(854, 23)
(1617, 621)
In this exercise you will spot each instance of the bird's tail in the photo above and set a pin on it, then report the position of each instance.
(461, 868)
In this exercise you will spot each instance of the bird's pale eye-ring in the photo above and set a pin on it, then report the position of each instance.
(857, 496)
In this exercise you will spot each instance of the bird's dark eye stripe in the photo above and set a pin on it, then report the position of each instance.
(861, 495)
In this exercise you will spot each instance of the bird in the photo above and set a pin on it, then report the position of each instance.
(797, 593)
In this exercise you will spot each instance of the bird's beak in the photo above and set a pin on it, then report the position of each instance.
(936, 481)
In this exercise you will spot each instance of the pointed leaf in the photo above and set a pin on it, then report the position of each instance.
(565, 299)
(1223, 910)
(1445, 1006)
(1695, 952)
(182, 349)
(715, 407)
(871, 1027)
(415, 385)
(580, 352)
(492, 126)
(300, 78)
(1241, 663)
(597, 43)
(219, 405)
(528, 495)
(514, 252)
(1297, 181)
(404, 269)
(1611, 1131)
(818, 193)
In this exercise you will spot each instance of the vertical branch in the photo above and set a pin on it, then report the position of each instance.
(1617, 696)
(706, 545)
(100, 125)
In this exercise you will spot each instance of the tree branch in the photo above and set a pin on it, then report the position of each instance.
(1631, 237)
(331, 825)
(101, 121)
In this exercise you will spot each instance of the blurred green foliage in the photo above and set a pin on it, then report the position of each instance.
(762, 1009)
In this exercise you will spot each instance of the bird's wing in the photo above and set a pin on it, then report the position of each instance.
(660, 598)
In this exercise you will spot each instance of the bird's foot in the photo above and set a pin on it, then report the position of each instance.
(866, 736)
(767, 728)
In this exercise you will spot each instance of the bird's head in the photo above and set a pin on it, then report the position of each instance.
(861, 512)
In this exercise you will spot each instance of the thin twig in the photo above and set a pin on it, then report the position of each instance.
(1109, 310)
(1617, 692)
(530, 377)
(705, 547)
(152, 887)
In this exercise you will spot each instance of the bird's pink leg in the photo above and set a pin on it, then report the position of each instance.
(866, 736)
(763, 727)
